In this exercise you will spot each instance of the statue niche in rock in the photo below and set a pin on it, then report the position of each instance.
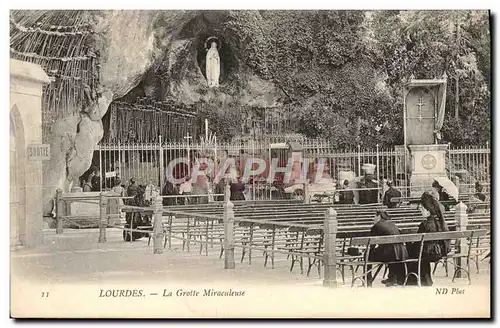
(213, 66)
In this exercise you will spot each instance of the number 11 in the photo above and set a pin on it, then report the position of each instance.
(45, 294)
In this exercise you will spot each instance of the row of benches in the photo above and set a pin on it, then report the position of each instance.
(293, 229)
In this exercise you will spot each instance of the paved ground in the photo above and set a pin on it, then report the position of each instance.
(76, 256)
(74, 268)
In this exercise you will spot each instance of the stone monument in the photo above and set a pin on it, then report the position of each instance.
(424, 109)
(213, 66)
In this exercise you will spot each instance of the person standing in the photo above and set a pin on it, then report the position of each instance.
(149, 192)
(186, 189)
(237, 190)
(390, 194)
(132, 188)
(118, 202)
(169, 190)
(118, 188)
(369, 192)
(346, 195)
(87, 185)
(220, 189)
(96, 180)
(137, 219)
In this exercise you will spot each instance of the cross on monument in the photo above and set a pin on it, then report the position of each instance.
(420, 105)
(188, 137)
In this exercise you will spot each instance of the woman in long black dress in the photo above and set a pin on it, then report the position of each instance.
(433, 250)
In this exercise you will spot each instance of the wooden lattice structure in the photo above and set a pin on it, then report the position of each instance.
(62, 42)
(144, 120)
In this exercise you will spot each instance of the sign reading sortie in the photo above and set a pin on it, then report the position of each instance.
(38, 152)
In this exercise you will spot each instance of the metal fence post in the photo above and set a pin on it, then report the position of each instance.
(329, 256)
(227, 193)
(456, 179)
(158, 226)
(359, 160)
(380, 187)
(59, 212)
(461, 219)
(229, 236)
(103, 204)
(307, 193)
(210, 192)
(161, 164)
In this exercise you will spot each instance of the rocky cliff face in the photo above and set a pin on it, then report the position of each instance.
(159, 54)
(180, 70)
(129, 43)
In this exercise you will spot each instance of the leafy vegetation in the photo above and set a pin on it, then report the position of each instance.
(343, 71)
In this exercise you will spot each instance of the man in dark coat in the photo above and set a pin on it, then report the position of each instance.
(138, 219)
(96, 180)
(132, 188)
(131, 192)
(169, 190)
(369, 192)
(390, 252)
(220, 189)
(346, 195)
(237, 190)
(389, 194)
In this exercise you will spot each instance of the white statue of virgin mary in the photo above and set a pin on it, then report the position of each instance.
(213, 66)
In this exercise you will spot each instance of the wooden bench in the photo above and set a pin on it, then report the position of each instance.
(293, 229)
(407, 238)
(297, 212)
(466, 199)
(291, 232)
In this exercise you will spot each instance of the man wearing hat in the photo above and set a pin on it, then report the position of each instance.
(370, 194)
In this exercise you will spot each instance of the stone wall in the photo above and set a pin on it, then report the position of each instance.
(26, 80)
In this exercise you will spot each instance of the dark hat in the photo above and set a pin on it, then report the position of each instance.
(383, 214)
(436, 184)
(429, 202)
